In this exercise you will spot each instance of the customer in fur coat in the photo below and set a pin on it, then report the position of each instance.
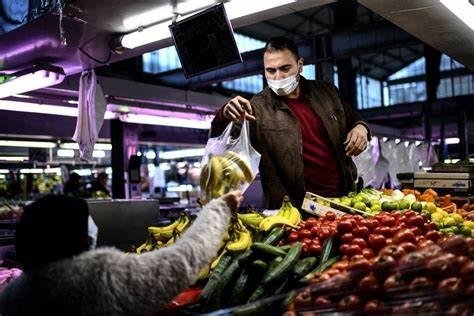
(62, 278)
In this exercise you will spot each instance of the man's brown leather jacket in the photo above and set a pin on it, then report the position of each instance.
(276, 135)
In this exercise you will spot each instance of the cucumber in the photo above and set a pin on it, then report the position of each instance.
(304, 266)
(285, 247)
(275, 235)
(210, 286)
(238, 293)
(325, 262)
(269, 249)
(261, 290)
(319, 269)
(255, 308)
(284, 267)
(225, 278)
(260, 264)
(289, 298)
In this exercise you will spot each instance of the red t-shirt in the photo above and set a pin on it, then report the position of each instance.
(322, 172)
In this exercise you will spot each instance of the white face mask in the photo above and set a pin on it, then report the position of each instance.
(285, 86)
(92, 232)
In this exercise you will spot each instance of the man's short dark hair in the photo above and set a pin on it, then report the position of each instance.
(281, 43)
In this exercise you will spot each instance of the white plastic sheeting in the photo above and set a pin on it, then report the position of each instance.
(379, 164)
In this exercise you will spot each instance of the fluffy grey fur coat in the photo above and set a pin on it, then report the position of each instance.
(109, 282)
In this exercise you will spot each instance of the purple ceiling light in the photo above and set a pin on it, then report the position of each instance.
(40, 76)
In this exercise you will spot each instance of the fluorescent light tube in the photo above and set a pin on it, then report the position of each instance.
(27, 107)
(451, 140)
(68, 153)
(235, 9)
(165, 121)
(32, 144)
(13, 158)
(4, 171)
(182, 153)
(98, 154)
(40, 76)
(98, 146)
(462, 9)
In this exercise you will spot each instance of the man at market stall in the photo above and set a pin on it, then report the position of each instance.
(62, 278)
(302, 128)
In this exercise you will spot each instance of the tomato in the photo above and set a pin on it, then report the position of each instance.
(470, 290)
(360, 242)
(307, 241)
(389, 241)
(443, 265)
(347, 238)
(344, 226)
(350, 302)
(305, 249)
(314, 249)
(450, 285)
(303, 299)
(460, 310)
(368, 253)
(353, 250)
(456, 245)
(341, 265)
(422, 243)
(310, 222)
(433, 235)
(410, 213)
(324, 233)
(322, 301)
(393, 250)
(404, 235)
(343, 249)
(377, 241)
(416, 231)
(383, 265)
(316, 241)
(401, 226)
(357, 257)
(371, 223)
(408, 246)
(430, 226)
(368, 284)
(416, 221)
(315, 231)
(305, 233)
(394, 282)
(358, 217)
(388, 221)
(330, 216)
(467, 269)
(361, 231)
(374, 307)
(421, 284)
(293, 236)
(383, 230)
(361, 265)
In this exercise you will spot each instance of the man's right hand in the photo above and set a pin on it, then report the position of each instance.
(238, 109)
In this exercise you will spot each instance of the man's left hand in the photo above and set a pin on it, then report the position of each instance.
(356, 140)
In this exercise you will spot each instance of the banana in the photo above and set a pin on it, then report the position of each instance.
(236, 178)
(204, 177)
(287, 210)
(242, 243)
(216, 261)
(243, 165)
(204, 272)
(269, 222)
(148, 245)
(216, 173)
(251, 219)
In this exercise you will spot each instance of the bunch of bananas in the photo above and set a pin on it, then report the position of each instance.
(251, 219)
(224, 173)
(165, 236)
(287, 215)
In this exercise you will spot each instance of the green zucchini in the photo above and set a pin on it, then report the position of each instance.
(275, 235)
(269, 249)
(304, 266)
(284, 267)
(285, 247)
(210, 286)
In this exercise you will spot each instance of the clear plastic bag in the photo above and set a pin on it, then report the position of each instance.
(229, 163)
